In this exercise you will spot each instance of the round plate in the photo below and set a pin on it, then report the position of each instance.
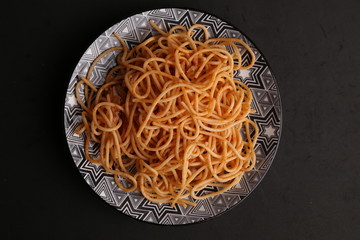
(266, 102)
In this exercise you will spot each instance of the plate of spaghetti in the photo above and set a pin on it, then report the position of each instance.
(172, 116)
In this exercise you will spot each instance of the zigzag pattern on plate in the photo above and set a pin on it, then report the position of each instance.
(266, 103)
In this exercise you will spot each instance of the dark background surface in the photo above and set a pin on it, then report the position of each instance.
(310, 192)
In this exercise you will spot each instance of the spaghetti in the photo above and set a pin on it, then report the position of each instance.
(170, 119)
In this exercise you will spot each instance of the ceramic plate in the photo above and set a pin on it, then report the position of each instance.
(266, 102)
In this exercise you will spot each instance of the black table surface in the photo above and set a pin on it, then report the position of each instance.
(312, 188)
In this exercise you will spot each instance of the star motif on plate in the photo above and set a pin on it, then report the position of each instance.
(270, 130)
(71, 100)
(245, 73)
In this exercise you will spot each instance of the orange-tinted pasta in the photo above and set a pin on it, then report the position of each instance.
(170, 118)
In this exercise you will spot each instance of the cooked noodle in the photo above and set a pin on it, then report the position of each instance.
(170, 118)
